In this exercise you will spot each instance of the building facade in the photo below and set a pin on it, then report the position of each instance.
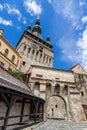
(63, 90)
(9, 57)
(33, 49)
(65, 97)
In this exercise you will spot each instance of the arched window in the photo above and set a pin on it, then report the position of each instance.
(6, 52)
(57, 88)
(29, 49)
(44, 58)
(37, 54)
(82, 93)
(47, 60)
(13, 58)
(33, 51)
(40, 56)
(50, 61)
(65, 90)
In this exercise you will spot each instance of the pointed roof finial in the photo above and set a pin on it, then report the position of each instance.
(37, 22)
(48, 39)
(29, 28)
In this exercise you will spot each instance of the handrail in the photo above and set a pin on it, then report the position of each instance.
(2, 117)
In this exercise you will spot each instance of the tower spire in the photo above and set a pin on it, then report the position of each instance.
(37, 29)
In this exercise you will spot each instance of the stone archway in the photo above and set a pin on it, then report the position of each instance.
(56, 107)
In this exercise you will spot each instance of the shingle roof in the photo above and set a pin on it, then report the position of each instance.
(5, 83)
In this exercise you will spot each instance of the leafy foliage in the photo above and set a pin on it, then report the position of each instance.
(17, 74)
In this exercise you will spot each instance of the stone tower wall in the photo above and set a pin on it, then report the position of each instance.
(34, 53)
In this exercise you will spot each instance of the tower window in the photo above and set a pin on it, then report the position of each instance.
(1, 64)
(56, 105)
(40, 48)
(6, 52)
(50, 61)
(33, 52)
(47, 60)
(13, 58)
(40, 55)
(29, 49)
(82, 94)
(36, 53)
(44, 59)
(24, 48)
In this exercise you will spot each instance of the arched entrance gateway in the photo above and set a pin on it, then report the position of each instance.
(56, 107)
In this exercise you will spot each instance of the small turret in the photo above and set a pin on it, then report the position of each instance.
(29, 29)
(48, 40)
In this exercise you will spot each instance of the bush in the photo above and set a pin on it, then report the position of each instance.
(17, 74)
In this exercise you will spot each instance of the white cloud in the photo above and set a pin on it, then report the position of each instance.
(1, 7)
(84, 19)
(18, 28)
(73, 43)
(32, 7)
(67, 44)
(5, 22)
(24, 21)
(74, 51)
(82, 3)
(11, 9)
(82, 48)
(69, 9)
(49, 1)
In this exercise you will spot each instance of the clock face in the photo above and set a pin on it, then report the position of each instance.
(34, 45)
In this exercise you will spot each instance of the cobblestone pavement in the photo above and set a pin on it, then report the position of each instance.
(62, 125)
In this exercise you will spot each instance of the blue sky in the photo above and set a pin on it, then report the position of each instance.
(65, 21)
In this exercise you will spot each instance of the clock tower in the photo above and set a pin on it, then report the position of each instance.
(33, 49)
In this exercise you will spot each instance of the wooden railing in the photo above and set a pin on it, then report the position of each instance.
(32, 120)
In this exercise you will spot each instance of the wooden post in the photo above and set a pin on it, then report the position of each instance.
(22, 111)
(42, 110)
(9, 103)
(36, 109)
